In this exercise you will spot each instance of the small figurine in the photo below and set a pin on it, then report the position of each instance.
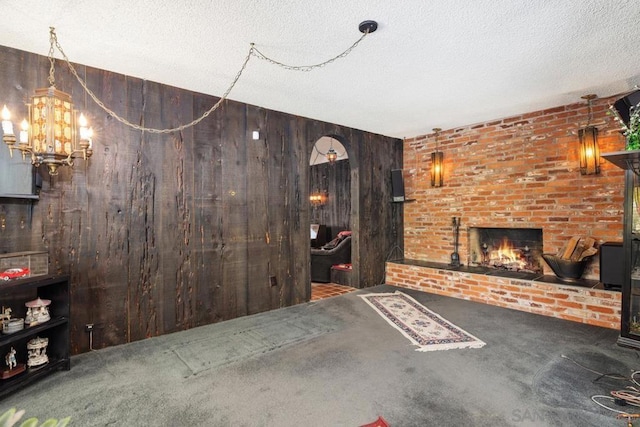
(10, 325)
(37, 311)
(6, 313)
(13, 367)
(37, 349)
(10, 359)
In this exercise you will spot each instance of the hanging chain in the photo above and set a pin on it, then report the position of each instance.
(52, 68)
(142, 128)
(253, 51)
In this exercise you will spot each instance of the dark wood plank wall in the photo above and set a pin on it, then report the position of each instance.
(161, 233)
(335, 179)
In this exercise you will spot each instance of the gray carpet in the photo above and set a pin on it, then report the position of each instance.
(336, 362)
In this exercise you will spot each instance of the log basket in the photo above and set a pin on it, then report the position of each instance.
(566, 269)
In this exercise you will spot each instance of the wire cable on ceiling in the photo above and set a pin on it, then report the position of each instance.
(365, 27)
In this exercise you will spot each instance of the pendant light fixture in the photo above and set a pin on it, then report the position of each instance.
(332, 155)
(437, 159)
(53, 135)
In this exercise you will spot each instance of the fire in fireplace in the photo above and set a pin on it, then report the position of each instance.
(510, 249)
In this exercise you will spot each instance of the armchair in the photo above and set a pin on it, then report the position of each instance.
(322, 259)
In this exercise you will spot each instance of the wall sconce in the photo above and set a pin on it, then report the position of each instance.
(52, 136)
(437, 159)
(589, 149)
(318, 198)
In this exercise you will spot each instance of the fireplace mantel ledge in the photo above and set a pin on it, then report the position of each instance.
(583, 301)
(546, 278)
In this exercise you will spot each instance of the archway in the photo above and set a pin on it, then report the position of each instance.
(330, 193)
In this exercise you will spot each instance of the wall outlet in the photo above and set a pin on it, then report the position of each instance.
(88, 327)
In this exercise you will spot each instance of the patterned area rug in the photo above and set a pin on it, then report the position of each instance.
(422, 326)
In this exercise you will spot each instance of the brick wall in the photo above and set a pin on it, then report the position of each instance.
(521, 171)
(584, 305)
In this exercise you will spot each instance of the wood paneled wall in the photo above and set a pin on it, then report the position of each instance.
(162, 233)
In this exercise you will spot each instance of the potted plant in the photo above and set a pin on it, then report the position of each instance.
(632, 132)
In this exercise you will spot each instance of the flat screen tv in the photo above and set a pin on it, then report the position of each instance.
(17, 176)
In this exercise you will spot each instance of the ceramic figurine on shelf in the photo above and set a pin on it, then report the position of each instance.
(10, 359)
(10, 325)
(13, 367)
(37, 311)
(37, 349)
(6, 313)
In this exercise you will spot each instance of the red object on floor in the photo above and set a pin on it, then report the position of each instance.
(380, 422)
(343, 267)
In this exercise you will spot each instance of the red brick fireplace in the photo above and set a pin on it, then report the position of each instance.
(522, 172)
(505, 248)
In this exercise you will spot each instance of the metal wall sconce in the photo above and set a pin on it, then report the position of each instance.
(589, 149)
(437, 163)
(318, 198)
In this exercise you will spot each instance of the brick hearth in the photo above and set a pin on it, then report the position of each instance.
(598, 307)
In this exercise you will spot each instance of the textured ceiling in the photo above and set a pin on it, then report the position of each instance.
(429, 64)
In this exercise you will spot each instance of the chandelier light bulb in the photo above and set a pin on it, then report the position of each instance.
(7, 126)
(84, 131)
(24, 132)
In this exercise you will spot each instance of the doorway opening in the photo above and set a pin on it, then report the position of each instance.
(330, 192)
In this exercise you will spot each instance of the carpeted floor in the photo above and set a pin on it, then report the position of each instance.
(336, 362)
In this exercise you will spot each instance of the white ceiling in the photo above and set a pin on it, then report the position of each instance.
(429, 64)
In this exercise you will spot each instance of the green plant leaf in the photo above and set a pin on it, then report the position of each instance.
(10, 417)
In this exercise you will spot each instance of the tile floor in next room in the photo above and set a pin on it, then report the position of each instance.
(325, 290)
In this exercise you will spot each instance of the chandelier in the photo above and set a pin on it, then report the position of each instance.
(332, 155)
(54, 134)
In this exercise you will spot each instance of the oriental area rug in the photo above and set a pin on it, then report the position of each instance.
(424, 328)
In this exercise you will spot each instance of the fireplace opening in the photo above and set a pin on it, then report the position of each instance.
(508, 249)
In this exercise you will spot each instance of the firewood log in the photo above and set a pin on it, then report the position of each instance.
(587, 252)
(571, 246)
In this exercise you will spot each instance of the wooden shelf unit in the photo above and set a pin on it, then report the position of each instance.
(15, 294)
(629, 161)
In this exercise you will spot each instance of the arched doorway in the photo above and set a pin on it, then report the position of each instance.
(330, 198)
